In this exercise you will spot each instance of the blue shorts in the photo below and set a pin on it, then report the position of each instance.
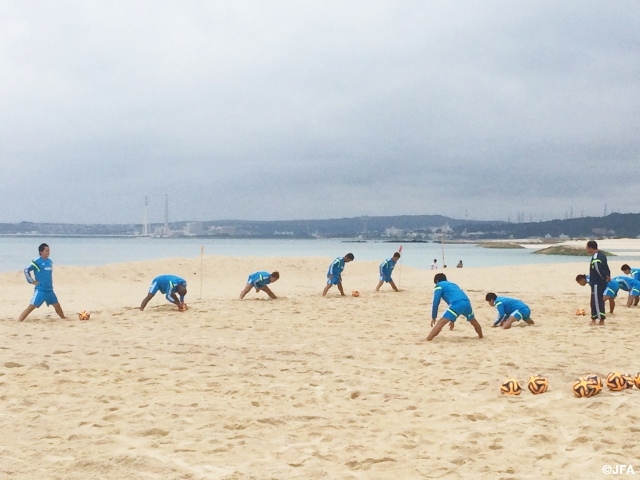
(522, 314)
(462, 307)
(335, 280)
(39, 297)
(608, 292)
(153, 289)
(386, 278)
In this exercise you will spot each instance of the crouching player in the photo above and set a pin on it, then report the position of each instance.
(509, 310)
(610, 292)
(631, 285)
(259, 281)
(458, 302)
(172, 286)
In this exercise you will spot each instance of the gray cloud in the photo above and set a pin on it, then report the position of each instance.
(286, 110)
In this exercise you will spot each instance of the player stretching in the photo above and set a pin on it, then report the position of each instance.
(386, 268)
(458, 302)
(42, 268)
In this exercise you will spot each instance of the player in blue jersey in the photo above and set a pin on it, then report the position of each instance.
(610, 292)
(631, 285)
(259, 281)
(509, 310)
(633, 272)
(459, 304)
(334, 275)
(173, 287)
(386, 268)
(42, 279)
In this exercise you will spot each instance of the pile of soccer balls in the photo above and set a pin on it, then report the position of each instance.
(592, 384)
(586, 386)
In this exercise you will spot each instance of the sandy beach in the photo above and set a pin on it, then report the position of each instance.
(304, 386)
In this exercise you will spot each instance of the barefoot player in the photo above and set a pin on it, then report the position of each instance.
(458, 302)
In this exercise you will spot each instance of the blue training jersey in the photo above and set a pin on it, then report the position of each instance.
(336, 267)
(506, 306)
(43, 272)
(447, 291)
(635, 273)
(627, 283)
(260, 279)
(167, 284)
(387, 267)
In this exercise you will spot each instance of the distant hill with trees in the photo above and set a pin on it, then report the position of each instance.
(613, 225)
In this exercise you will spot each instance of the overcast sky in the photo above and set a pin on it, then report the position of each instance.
(264, 110)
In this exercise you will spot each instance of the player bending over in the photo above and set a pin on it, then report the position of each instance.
(259, 281)
(509, 310)
(458, 302)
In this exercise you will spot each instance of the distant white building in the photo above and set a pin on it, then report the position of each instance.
(194, 228)
(393, 232)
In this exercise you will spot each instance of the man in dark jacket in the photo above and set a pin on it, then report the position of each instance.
(599, 276)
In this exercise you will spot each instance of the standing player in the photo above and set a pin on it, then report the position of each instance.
(631, 285)
(599, 276)
(509, 310)
(633, 272)
(334, 275)
(42, 268)
(458, 302)
(259, 281)
(171, 286)
(386, 268)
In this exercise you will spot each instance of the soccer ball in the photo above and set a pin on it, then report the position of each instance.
(537, 384)
(84, 315)
(355, 293)
(597, 382)
(636, 380)
(511, 387)
(182, 307)
(616, 381)
(631, 381)
(585, 387)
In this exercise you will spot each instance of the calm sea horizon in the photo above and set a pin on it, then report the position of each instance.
(17, 252)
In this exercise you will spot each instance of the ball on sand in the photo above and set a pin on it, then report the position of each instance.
(538, 384)
(84, 315)
(511, 387)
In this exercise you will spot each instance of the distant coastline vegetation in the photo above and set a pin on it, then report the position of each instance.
(568, 250)
(504, 245)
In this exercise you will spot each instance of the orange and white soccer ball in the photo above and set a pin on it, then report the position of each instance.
(636, 380)
(84, 315)
(511, 386)
(538, 384)
(355, 293)
(585, 387)
(617, 381)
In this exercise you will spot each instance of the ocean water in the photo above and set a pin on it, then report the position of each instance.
(17, 252)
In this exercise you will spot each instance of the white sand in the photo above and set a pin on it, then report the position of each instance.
(305, 386)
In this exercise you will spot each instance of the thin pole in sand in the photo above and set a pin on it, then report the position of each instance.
(201, 257)
(400, 269)
(443, 264)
